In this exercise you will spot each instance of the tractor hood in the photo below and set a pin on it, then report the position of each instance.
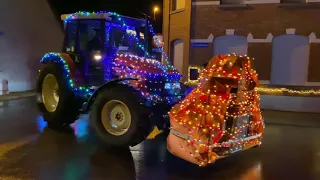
(139, 67)
(156, 81)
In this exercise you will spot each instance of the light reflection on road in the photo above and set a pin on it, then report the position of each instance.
(253, 173)
(80, 127)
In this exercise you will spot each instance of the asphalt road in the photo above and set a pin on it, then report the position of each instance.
(29, 150)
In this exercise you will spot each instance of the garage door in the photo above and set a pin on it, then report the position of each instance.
(290, 58)
(230, 44)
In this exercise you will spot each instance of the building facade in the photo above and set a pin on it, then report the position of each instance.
(28, 29)
(282, 35)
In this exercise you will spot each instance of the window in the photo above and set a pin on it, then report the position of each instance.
(194, 74)
(178, 4)
(70, 39)
(231, 1)
(124, 40)
(90, 35)
(293, 1)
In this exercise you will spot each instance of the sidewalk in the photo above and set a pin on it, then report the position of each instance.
(17, 95)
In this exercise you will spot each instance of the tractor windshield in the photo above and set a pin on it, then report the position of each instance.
(125, 40)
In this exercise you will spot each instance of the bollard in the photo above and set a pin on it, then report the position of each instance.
(4, 87)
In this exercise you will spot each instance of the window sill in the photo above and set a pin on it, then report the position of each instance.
(177, 11)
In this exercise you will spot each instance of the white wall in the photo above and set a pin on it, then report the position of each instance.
(230, 44)
(29, 29)
(178, 54)
(290, 60)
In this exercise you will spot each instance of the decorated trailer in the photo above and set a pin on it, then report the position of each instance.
(106, 69)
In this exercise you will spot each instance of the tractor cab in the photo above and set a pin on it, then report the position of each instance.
(93, 40)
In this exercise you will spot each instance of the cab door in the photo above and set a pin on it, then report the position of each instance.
(89, 51)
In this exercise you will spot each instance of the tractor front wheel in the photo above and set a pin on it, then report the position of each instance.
(118, 118)
(57, 103)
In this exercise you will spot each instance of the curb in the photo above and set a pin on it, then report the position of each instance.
(9, 97)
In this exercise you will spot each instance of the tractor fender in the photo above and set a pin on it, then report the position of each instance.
(67, 64)
(101, 88)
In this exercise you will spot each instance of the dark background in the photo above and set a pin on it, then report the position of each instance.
(124, 7)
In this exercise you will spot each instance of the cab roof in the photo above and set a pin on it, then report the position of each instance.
(97, 15)
(85, 16)
(103, 15)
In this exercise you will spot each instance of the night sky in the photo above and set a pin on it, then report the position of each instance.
(124, 7)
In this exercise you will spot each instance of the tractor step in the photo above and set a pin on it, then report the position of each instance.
(155, 132)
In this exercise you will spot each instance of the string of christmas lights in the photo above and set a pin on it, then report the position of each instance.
(199, 69)
(203, 116)
(264, 90)
(122, 66)
(124, 25)
(72, 83)
(290, 91)
(148, 71)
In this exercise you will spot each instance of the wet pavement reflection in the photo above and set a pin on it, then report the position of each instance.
(30, 150)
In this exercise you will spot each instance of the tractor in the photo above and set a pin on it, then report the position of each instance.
(107, 70)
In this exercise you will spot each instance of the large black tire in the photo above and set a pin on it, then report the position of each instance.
(67, 110)
(140, 126)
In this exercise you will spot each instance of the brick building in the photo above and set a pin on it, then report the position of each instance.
(280, 34)
(28, 29)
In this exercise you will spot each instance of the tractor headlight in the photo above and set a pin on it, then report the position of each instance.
(172, 88)
(169, 86)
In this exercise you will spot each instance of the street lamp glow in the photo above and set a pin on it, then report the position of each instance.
(155, 9)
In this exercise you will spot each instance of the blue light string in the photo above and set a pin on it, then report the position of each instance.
(85, 91)
(58, 59)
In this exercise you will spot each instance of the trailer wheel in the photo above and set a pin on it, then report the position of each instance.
(56, 102)
(117, 117)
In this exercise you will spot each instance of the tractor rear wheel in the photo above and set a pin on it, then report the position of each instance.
(57, 103)
(117, 117)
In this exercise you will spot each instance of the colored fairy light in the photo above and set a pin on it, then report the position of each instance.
(199, 69)
(124, 25)
(205, 111)
(146, 70)
(59, 60)
(263, 90)
(289, 91)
